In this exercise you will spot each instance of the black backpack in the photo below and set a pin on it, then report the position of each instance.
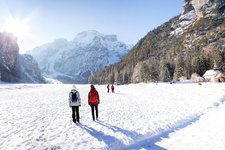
(74, 97)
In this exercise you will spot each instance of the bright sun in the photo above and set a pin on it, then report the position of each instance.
(17, 26)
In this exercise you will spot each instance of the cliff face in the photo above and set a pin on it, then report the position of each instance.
(186, 44)
(12, 64)
(197, 4)
(9, 50)
(9, 54)
(29, 70)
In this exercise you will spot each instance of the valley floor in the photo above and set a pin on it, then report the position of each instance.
(136, 116)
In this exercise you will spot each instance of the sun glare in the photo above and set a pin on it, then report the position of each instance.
(17, 26)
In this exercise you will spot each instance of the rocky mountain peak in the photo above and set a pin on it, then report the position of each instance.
(91, 35)
(194, 5)
(194, 10)
(202, 8)
(89, 52)
(8, 50)
(13, 66)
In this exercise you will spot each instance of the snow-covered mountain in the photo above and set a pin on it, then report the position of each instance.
(75, 60)
(15, 67)
(29, 70)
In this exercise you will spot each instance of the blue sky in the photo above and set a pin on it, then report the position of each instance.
(48, 20)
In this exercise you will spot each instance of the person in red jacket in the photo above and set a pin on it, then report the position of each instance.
(112, 88)
(93, 101)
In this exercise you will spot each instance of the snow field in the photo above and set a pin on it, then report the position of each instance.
(207, 132)
(136, 116)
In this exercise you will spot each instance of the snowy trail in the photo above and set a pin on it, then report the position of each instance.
(206, 132)
(38, 116)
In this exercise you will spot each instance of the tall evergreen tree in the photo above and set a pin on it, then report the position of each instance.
(179, 69)
(154, 75)
(145, 72)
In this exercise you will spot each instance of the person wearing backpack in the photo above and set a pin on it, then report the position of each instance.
(93, 101)
(75, 103)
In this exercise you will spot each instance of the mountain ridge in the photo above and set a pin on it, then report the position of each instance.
(188, 43)
(74, 61)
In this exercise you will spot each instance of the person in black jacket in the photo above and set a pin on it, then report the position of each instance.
(108, 88)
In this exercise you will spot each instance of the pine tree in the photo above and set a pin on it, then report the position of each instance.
(171, 69)
(145, 72)
(204, 65)
(120, 78)
(126, 78)
(112, 79)
(179, 69)
(154, 75)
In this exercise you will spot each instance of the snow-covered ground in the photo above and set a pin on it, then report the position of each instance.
(136, 116)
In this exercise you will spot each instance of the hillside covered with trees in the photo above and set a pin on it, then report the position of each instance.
(186, 44)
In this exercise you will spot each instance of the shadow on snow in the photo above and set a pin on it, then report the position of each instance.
(111, 141)
(101, 136)
(148, 142)
(139, 141)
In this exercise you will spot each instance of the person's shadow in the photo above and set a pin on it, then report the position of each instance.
(132, 134)
(113, 142)
(110, 141)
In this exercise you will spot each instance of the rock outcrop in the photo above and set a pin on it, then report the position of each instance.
(13, 66)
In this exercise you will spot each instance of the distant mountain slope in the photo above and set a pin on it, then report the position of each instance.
(74, 61)
(186, 44)
(15, 67)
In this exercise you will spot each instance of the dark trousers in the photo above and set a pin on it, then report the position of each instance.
(75, 112)
(92, 111)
